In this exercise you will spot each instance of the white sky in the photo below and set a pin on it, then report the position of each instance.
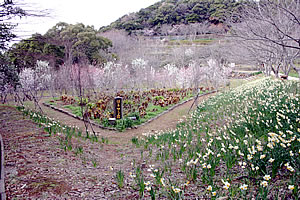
(89, 12)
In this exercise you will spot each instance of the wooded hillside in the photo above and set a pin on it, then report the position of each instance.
(174, 12)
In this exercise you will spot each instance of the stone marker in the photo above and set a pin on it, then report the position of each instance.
(118, 108)
(132, 118)
(112, 121)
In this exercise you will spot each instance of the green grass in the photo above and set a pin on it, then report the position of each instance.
(190, 42)
(293, 73)
(52, 103)
(151, 114)
(76, 110)
(236, 82)
(203, 41)
(158, 109)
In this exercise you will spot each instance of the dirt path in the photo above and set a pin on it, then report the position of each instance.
(37, 167)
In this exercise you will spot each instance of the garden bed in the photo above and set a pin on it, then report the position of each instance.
(144, 106)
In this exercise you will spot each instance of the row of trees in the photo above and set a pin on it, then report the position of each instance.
(63, 45)
(78, 78)
(23, 76)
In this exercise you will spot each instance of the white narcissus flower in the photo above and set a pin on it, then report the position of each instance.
(244, 187)
(147, 183)
(187, 183)
(148, 188)
(209, 188)
(162, 182)
(249, 157)
(271, 160)
(264, 183)
(259, 148)
(291, 187)
(270, 145)
(290, 168)
(283, 145)
(267, 177)
(240, 153)
(226, 185)
(176, 190)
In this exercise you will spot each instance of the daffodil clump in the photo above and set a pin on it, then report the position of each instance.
(242, 143)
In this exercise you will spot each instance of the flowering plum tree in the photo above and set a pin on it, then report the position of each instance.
(270, 31)
(34, 82)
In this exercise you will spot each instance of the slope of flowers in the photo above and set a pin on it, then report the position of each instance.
(240, 144)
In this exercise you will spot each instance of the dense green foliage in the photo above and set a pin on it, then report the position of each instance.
(8, 10)
(63, 43)
(8, 75)
(80, 42)
(177, 12)
(25, 53)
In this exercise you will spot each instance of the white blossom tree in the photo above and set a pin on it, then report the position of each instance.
(271, 32)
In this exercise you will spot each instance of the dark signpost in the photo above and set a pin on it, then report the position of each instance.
(118, 108)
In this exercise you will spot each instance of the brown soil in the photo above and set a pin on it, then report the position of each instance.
(37, 167)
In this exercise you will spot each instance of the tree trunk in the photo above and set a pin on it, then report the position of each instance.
(275, 71)
(297, 69)
(286, 68)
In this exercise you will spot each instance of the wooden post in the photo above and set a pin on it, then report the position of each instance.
(2, 187)
(118, 108)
